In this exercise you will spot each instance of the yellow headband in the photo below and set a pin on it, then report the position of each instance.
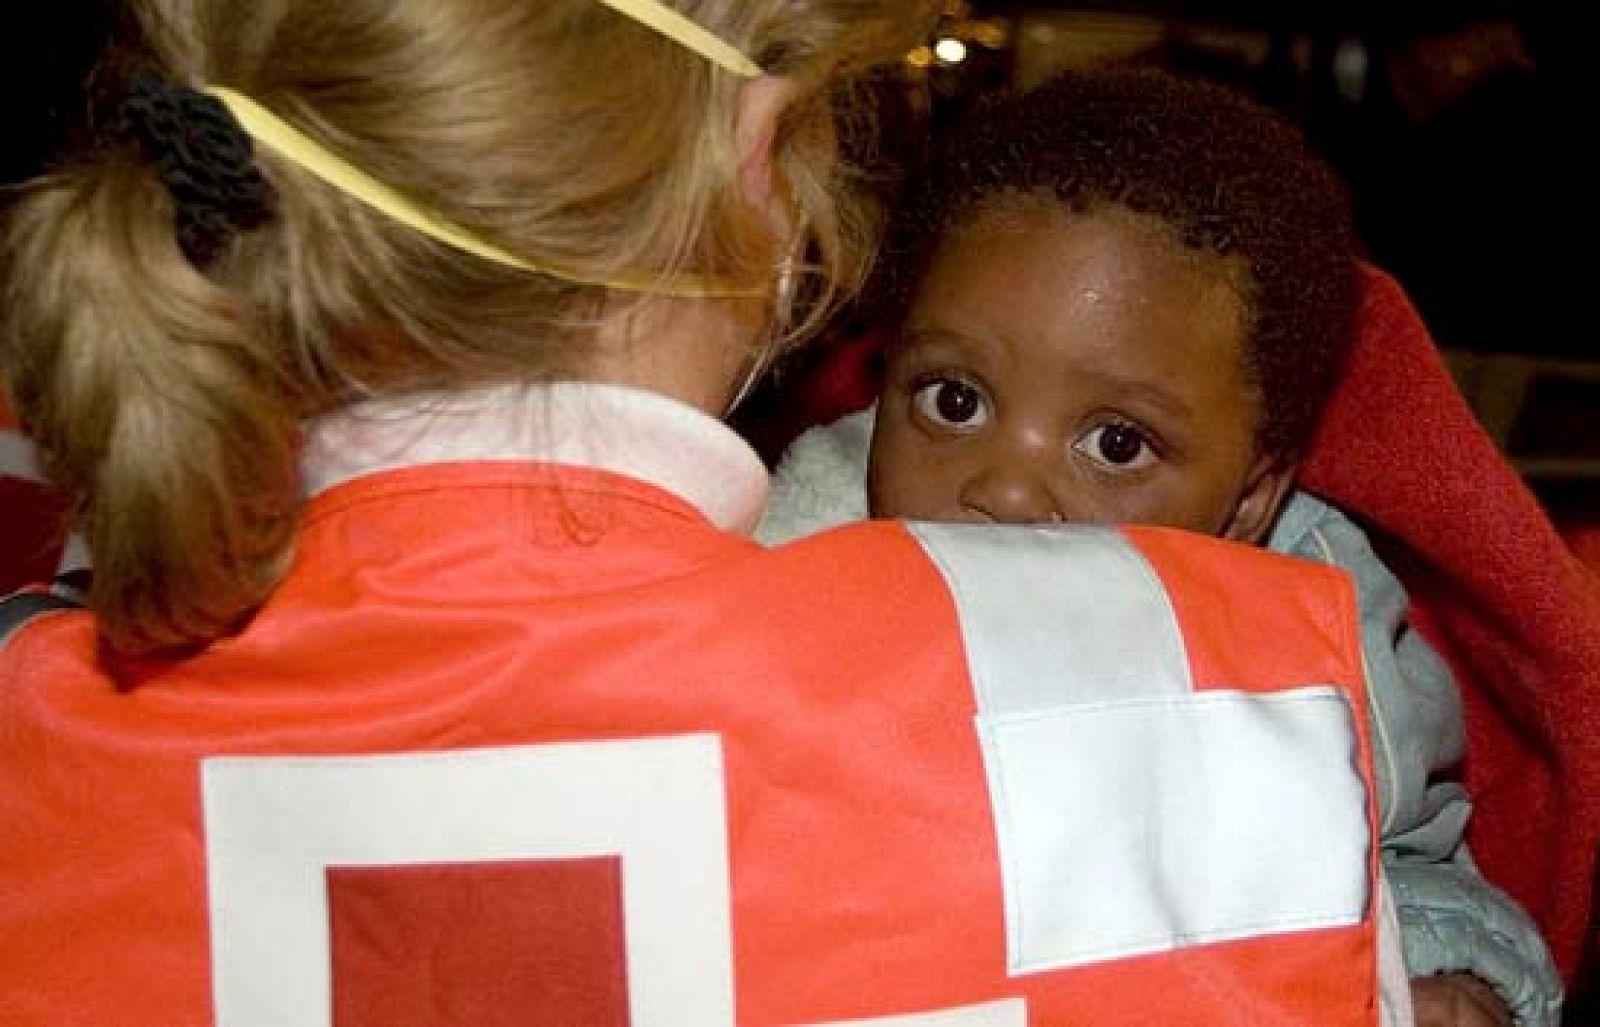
(299, 149)
(687, 34)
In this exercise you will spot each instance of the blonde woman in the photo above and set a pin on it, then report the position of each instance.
(427, 675)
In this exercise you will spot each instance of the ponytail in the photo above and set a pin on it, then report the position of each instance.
(157, 402)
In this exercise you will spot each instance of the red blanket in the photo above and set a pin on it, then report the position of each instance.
(1499, 593)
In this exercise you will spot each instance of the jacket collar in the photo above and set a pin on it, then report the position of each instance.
(625, 431)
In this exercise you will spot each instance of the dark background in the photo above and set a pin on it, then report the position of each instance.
(1461, 126)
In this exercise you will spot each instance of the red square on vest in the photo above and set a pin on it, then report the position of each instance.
(487, 944)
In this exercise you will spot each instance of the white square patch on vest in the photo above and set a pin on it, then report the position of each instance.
(274, 825)
(1145, 825)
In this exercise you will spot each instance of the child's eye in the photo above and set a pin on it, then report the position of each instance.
(1117, 446)
(951, 403)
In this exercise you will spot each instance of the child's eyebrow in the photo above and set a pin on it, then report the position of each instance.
(1143, 391)
(915, 339)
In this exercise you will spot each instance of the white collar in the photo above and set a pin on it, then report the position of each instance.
(626, 431)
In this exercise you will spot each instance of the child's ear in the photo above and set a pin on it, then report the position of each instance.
(762, 103)
(1264, 493)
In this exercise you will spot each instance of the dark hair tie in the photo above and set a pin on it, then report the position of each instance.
(205, 160)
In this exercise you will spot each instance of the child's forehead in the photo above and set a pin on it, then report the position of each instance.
(1009, 221)
(1013, 222)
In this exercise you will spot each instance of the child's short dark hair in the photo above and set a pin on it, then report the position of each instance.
(1228, 175)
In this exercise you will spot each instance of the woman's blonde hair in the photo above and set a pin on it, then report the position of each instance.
(168, 397)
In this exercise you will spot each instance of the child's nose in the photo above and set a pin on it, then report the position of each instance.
(1012, 492)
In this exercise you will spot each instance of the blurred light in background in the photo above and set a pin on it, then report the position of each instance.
(950, 50)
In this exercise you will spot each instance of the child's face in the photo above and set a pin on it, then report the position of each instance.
(1073, 367)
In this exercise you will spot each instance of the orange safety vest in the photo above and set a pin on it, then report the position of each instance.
(538, 745)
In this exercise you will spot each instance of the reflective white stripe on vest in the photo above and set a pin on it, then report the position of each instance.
(1058, 615)
(1135, 815)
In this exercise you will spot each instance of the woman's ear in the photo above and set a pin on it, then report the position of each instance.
(761, 106)
(1264, 493)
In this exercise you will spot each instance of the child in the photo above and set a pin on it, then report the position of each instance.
(1123, 298)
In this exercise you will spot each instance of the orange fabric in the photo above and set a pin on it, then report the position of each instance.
(464, 606)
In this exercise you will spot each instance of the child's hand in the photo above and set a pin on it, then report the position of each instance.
(1457, 1000)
